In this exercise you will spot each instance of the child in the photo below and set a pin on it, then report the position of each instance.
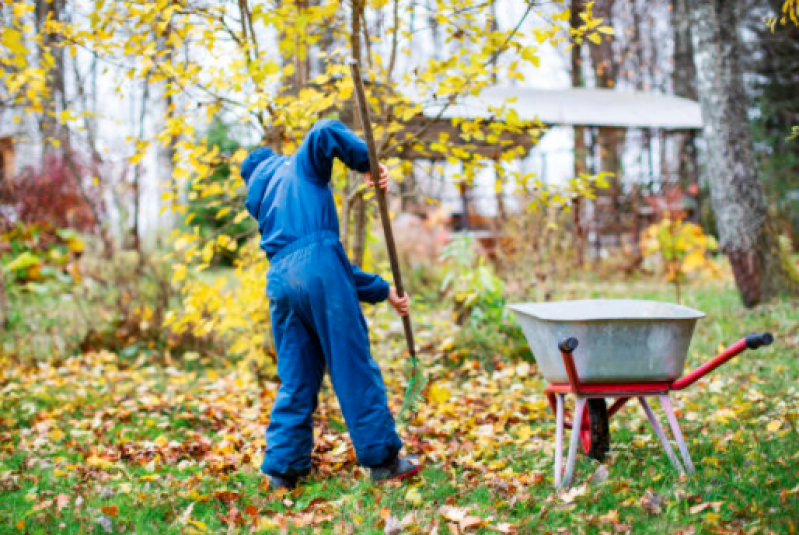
(314, 295)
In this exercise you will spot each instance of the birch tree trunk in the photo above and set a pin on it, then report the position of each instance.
(747, 236)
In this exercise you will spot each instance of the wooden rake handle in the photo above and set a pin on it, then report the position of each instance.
(374, 166)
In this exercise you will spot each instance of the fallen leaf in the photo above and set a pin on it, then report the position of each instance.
(504, 527)
(573, 493)
(186, 514)
(453, 514)
(471, 522)
(227, 496)
(413, 496)
(111, 510)
(61, 501)
(439, 393)
(105, 523)
(99, 463)
(652, 503)
(43, 505)
(611, 517)
(393, 526)
(773, 426)
(600, 475)
(199, 525)
(698, 508)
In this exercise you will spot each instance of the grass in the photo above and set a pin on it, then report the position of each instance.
(95, 443)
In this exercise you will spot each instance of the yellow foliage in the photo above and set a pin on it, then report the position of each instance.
(682, 248)
(216, 58)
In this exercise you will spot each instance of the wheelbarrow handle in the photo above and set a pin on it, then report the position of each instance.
(756, 340)
(567, 347)
(750, 341)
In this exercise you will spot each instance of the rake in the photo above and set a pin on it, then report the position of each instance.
(417, 380)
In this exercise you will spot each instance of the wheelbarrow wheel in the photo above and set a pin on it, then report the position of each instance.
(595, 432)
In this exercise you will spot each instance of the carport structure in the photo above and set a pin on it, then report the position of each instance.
(663, 127)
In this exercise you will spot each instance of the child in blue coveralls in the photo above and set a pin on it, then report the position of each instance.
(314, 295)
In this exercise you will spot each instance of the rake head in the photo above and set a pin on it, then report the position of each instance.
(413, 400)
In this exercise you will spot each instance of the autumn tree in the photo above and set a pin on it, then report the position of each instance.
(747, 234)
(274, 68)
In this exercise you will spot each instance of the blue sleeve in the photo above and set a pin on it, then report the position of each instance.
(371, 288)
(327, 140)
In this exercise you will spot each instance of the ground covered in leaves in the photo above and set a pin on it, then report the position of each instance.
(100, 444)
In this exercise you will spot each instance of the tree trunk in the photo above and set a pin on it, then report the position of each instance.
(746, 234)
(4, 321)
(346, 211)
(48, 124)
(606, 71)
(684, 80)
(580, 165)
(361, 217)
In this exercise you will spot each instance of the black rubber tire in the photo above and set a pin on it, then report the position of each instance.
(600, 428)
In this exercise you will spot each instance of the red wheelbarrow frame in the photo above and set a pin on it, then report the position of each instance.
(623, 392)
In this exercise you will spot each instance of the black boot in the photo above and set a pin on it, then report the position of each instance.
(396, 468)
(283, 482)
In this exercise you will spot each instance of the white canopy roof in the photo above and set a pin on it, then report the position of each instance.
(581, 107)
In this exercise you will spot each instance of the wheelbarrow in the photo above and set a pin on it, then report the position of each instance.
(629, 349)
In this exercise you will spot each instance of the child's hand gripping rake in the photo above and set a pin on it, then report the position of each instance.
(417, 380)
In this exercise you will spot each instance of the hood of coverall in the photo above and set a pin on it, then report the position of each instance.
(257, 182)
(253, 160)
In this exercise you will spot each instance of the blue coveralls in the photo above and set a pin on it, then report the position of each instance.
(314, 295)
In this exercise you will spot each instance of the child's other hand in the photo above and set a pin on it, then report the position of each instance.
(382, 181)
(401, 304)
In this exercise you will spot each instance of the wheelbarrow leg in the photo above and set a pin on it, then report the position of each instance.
(665, 402)
(661, 435)
(559, 439)
(578, 417)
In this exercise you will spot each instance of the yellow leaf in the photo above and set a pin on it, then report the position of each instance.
(607, 30)
(199, 525)
(774, 426)
(440, 393)
(595, 38)
(100, 463)
(241, 216)
(413, 496)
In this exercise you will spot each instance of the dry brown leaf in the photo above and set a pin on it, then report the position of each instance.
(43, 505)
(504, 527)
(652, 503)
(611, 517)
(61, 501)
(471, 522)
(699, 508)
(573, 493)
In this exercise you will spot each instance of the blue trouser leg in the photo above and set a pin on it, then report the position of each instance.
(344, 337)
(318, 320)
(301, 367)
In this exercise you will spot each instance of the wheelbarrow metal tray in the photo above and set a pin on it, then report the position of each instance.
(621, 340)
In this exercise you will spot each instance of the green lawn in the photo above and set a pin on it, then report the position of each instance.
(98, 443)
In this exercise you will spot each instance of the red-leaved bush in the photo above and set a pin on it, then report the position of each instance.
(52, 196)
